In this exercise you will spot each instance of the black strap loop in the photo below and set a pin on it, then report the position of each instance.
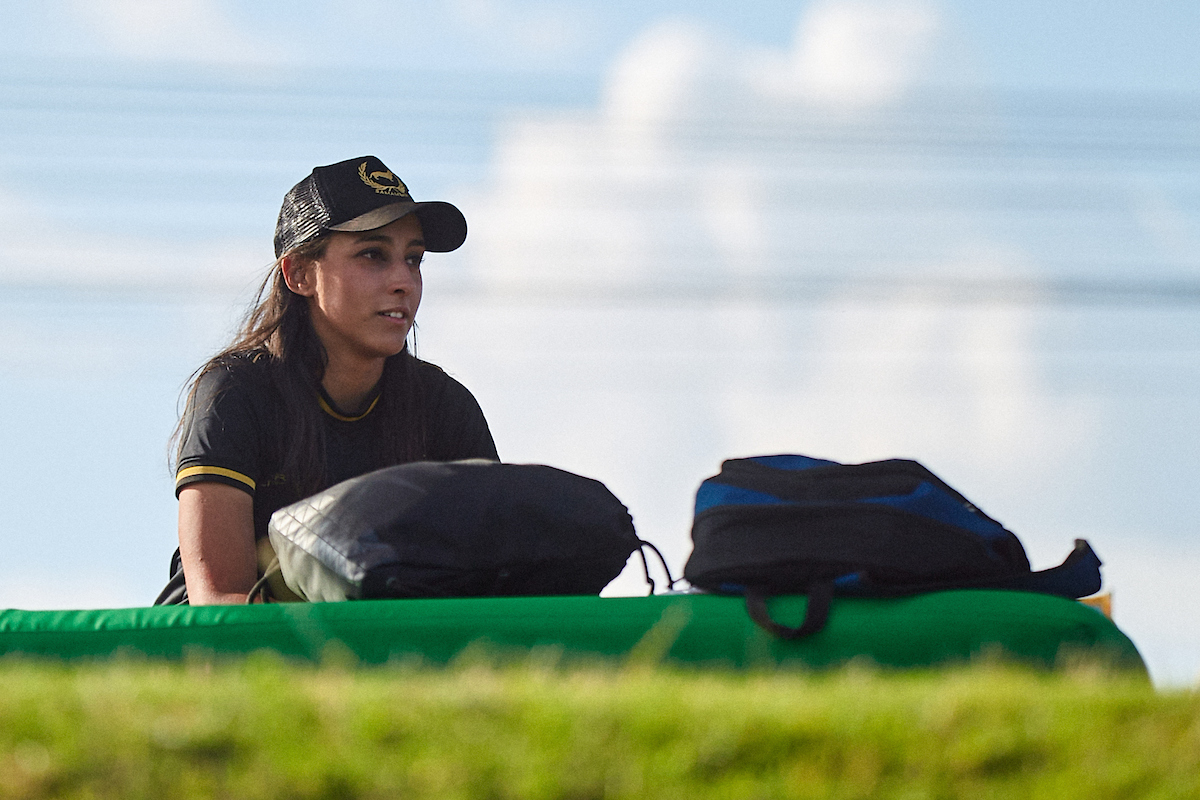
(642, 545)
(816, 612)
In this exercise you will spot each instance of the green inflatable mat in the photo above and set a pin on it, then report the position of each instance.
(710, 630)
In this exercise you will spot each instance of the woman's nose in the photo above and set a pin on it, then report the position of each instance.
(405, 279)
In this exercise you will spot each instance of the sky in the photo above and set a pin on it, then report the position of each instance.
(967, 233)
(1072, 44)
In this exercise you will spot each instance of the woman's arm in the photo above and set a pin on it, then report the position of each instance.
(216, 543)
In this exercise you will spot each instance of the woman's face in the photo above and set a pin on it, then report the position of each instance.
(363, 292)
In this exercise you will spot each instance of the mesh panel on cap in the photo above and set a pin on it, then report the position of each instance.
(302, 217)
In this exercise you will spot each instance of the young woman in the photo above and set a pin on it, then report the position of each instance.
(319, 386)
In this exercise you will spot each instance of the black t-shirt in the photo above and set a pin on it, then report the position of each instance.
(235, 433)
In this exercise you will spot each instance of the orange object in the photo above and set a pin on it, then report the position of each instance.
(1103, 602)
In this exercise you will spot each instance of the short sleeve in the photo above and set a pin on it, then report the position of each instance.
(221, 439)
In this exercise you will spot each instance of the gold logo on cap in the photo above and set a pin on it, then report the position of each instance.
(383, 182)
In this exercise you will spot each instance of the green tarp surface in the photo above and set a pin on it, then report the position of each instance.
(709, 630)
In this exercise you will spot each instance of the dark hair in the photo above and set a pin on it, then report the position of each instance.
(278, 328)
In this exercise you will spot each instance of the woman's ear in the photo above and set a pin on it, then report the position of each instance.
(297, 274)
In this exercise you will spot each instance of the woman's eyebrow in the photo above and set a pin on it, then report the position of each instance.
(383, 237)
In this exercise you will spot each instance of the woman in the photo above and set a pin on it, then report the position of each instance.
(319, 386)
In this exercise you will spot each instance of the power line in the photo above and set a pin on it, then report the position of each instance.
(1077, 292)
(1166, 293)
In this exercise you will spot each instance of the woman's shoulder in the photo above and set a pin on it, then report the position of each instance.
(239, 373)
(239, 366)
(426, 370)
(443, 394)
(435, 380)
(456, 424)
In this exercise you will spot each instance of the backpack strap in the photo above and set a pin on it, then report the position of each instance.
(816, 612)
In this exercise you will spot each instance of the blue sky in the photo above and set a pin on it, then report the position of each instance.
(855, 229)
(1064, 45)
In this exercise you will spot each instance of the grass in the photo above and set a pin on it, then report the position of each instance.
(263, 728)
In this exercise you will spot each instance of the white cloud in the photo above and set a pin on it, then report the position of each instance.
(846, 55)
(692, 139)
(174, 30)
(912, 378)
(856, 52)
(658, 76)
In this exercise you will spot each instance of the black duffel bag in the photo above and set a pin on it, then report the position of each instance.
(454, 529)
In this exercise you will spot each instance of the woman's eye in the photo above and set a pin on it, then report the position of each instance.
(414, 259)
(373, 253)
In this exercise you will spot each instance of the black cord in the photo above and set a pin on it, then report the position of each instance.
(642, 545)
(646, 567)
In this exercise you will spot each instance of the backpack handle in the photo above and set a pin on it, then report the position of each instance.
(816, 611)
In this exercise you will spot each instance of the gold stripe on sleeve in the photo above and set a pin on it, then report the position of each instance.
(224, 473)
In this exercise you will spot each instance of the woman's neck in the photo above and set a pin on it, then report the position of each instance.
(349, 386)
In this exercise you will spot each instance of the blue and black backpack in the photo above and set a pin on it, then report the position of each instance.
(790, 524)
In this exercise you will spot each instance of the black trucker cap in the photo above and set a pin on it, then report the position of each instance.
(361, 195)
